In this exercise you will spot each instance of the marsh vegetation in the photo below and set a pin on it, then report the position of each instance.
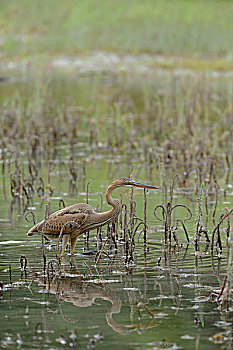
(64, 139)
(161, 275)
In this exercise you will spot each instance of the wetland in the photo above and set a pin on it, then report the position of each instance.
(160, 277)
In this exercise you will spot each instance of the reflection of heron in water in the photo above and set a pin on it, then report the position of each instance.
(82, 292)
(72, 221)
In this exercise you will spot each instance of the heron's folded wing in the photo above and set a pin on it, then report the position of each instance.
(68, 222)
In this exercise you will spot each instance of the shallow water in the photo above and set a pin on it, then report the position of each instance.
(100, 304)
(161, 299)
(177, 320)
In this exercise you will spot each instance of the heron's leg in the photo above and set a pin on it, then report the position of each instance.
(73, 244)
(73, 266)
(65, 239)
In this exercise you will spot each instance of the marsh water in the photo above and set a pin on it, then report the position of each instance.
(66, 135)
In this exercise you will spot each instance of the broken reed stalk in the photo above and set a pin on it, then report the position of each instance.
(124, 206)
(145, 216)
(228, 227)
(87, 232)
(229, 260)
(197, 340)
(199, 218)
(38, 329)
(30, 284)
(61, 204)
(174, 180)
(74, 175)
(120, 219)
(116, 229)
(46, 216)
(167, 213)
(99, 209)
(185, 231)
(10, 273)
(168, 223)
(141, 222)
(223, 288)
(33, 217)
(174, 229)
(132, 210)
(219, 242)
(99, 253)
(206, 206)
(142, 305)
(87, 190)
(216, 202)
(23, 265)
(84, 174)
(169, 210)
(178, 285)
(51, 168)
(113, 231)
(163, 179)
(88, 268)
(202, 230)
(50, 263)
(3, 157)
(131, 203)
(99, 237)
(130, 244)
(40, 189)
(222, 218)
(110, 235)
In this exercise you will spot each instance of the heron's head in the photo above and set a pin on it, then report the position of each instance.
(127, 182)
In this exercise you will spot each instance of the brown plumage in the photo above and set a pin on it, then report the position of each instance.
(78, 218)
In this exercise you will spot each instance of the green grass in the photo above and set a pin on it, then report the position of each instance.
(178, 27)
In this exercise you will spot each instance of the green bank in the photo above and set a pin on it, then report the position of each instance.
(179, 27)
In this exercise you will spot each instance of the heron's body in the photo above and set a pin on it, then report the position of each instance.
(78, 218)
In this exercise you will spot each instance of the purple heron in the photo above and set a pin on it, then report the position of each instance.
(78, 218)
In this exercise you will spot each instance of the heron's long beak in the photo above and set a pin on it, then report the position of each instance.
(138, 184)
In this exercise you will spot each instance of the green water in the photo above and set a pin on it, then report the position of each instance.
(177, 317)
(162, 299)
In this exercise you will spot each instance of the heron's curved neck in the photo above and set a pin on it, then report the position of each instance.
(115, 203)
(111, 201)
(107, 216)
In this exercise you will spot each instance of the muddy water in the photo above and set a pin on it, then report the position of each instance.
(163, 298)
